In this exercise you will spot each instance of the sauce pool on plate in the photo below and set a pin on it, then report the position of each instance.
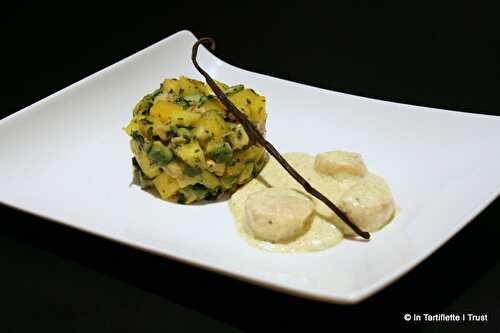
(341, 176)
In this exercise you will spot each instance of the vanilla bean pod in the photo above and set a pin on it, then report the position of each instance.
(257, 137)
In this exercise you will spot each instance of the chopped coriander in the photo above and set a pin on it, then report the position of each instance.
(233, 90)
(196, 98)
(182, 102)
(138, 137)
(199, 190)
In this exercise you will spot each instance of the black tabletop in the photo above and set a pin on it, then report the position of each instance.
(59, 279)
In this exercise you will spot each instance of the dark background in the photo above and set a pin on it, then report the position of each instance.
(58, 279)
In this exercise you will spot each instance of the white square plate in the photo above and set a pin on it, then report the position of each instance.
(67, 159)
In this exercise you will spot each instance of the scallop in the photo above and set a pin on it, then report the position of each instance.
(369, 203)
(340, 164)
(277, 214)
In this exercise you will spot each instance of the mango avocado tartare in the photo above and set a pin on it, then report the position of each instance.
(188, 148)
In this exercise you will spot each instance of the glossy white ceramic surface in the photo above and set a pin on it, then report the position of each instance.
(66, 158)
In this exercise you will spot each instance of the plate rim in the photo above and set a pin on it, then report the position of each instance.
(309, 293)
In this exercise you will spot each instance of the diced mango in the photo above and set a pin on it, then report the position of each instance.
(214, 104)
(200, 87)
(228, 181)
(252, 153)
(251, 104)
(246, 174)
(165, 185)
(131, 127)
(215, 125)
(188, 146)
(234, 170)
(185, 180)
(171, 113)
(187, 86)
(171, 86)
(189, 196)
(184, 86)
(209, 180)
(192, 154)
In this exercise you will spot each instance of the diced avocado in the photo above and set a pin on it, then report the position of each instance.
(184, 133)
(178, 140)
(188, 146)
(150, 169)
(160, 154)
(171, 129)
(138, 137)
(220, 152)
(196, 99)
(192, 171)
(182, 102)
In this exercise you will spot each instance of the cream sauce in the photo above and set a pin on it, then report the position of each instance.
(324, 228)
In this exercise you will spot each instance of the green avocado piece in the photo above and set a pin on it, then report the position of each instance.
(221, 153)
(160, 154)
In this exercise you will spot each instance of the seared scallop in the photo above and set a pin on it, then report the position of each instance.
(277, 214)
(368, 203)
